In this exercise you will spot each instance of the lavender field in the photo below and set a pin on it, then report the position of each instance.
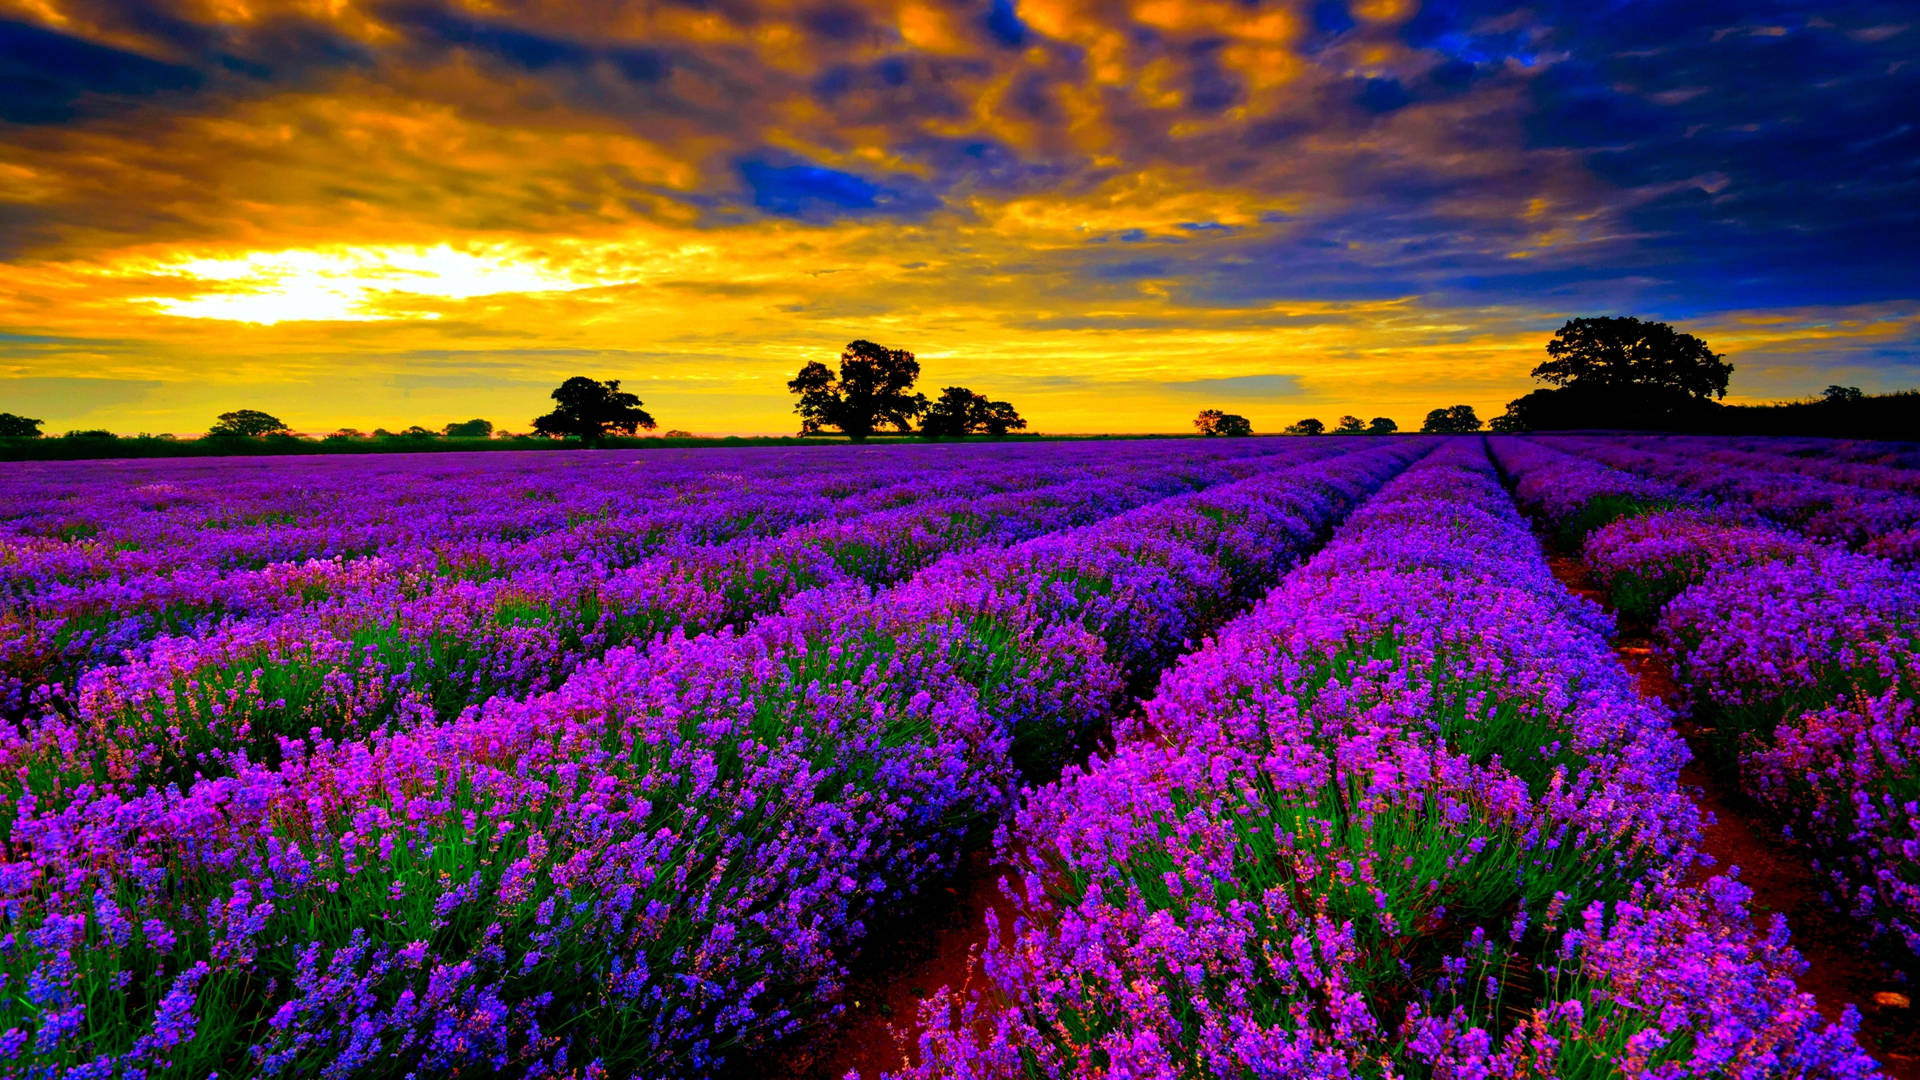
(1298, 757)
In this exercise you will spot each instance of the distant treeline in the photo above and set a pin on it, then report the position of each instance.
(87, 445)
(1876, 416)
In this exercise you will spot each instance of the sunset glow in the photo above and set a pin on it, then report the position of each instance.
(369, 214)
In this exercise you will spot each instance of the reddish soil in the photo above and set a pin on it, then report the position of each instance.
(906, 965)
(1841, 969)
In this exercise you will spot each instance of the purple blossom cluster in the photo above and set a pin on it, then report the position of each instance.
(416, 647)
(664, 863)
(1879, 516)
(1804, 658)
(543, 564)
(1408, 816)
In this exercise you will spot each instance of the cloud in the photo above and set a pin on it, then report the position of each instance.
(1387, 199)
(1239, 386)
(43, 395)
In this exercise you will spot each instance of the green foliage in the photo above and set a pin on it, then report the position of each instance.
(469, 429)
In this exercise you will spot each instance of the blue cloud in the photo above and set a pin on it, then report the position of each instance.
(1003, 22)
(816, 193)
(50, 77)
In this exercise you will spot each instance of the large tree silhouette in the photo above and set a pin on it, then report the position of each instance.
(247, 422)
(590, 410)
(15, 426)
(1622, 372)
(873, 389)
(1613, 353)
(959, 411)
(1456, 420)
(1213, 422)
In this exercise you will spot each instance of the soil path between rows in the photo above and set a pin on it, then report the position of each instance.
(904, 965)
(940, 945)
(1841, 971)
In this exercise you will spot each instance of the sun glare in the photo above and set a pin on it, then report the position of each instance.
(359, 284)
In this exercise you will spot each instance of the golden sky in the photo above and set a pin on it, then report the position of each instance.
(1113, 214)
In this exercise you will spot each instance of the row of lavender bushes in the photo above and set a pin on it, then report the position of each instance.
(1871, 514)
(1408, 817)
(519, 572)
(189, 706)
(1802, 656)
(662, 866)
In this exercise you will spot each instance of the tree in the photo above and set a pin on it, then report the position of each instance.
(1840, 395)
(1458, 420)
(249, 423)
(959, 411)
(345, 434)
(1307, 426)
(1618, 372)
(997, 418)
(874, 388)
(590, 410)
(1349, 425)
(1213, 422)
(1622, 352)
(469, 429)
(14, 426)
(1507, 421)
(418, 431)
(951, 414)
(1382, 425)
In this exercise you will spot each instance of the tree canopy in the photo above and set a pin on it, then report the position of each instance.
(1213, 422)
(1615, 352)
(1837, 394)
(248, 422)
(873, 388)
(1382, 425)
(959, 411)
(1455, 420)
(1306, 426)
(1622, 372)
(1349, 425)
(15, 426)
(469, 429)
(590, 410)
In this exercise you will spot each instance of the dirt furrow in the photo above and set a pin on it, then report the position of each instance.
(1841, 970)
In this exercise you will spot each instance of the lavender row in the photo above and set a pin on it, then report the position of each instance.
(1873, 521)
(1804, 658)
(59, 627)
(663, 865)
(1819, 459)
(195, 706)
(1407, 817)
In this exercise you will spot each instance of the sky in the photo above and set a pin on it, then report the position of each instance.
(368, 213)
